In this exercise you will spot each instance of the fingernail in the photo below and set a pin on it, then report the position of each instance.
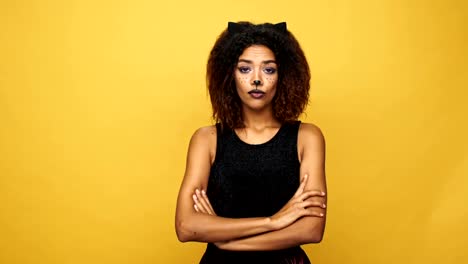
(197, 191)
(194, 197)
(324, 206)
(203, 192)
(321, 214)
(323, 193)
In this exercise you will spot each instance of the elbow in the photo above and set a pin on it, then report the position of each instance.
(314, 234)
(315, 237)
(182, 237)
(189, 228)
(183, 231)
(312, 237)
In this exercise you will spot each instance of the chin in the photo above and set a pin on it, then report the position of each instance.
(259, 108)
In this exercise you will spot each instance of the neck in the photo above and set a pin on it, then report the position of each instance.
(259, 119)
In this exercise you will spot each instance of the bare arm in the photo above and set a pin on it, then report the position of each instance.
(308, 229)
(193, 226)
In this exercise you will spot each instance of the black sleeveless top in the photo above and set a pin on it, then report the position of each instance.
(249, 180)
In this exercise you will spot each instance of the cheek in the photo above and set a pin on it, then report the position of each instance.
(272, 80)
(241, 79)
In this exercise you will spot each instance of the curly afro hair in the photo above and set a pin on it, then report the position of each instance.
(292, 91)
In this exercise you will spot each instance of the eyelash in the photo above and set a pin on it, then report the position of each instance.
(267, 70)
(244, 69)
(270, 70)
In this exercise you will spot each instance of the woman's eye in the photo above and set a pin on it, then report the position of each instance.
(269, 70)
(244, 69)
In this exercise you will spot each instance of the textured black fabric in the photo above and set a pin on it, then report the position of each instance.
(254, 181)
(294, 255)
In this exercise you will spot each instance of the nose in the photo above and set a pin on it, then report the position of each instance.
(257, 76)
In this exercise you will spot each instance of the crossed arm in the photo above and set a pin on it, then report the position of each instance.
(300, 221)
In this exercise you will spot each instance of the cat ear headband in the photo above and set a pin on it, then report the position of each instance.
(237, 28)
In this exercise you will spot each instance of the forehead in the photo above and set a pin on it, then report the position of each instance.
(259, 52)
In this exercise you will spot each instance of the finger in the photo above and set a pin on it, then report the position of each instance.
(312, 203)
(319, 199)
(198, 204)
(313, 212)
(311, 193)
(207, 201)
(202, 201)
(204, 197)
(196, 208)
(301, 187)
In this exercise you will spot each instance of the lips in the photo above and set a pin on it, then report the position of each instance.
(257, 94)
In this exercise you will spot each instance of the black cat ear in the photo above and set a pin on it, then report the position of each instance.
(281, 27)
(234, 27)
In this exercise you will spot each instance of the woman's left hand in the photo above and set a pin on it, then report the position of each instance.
(202, 203)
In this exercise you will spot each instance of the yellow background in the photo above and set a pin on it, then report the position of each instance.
(98, 100)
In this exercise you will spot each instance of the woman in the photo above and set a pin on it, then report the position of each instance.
(254, 186)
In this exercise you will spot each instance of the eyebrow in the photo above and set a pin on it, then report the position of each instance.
(263, 62)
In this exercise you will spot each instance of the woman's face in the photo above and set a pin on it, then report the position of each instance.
(256, 77)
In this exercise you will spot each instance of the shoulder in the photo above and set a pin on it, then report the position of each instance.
(204, 139)
(310, 137)
(204, 135)
(309, 131)
(205, 132)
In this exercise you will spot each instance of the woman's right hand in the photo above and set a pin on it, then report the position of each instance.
(303, 203)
